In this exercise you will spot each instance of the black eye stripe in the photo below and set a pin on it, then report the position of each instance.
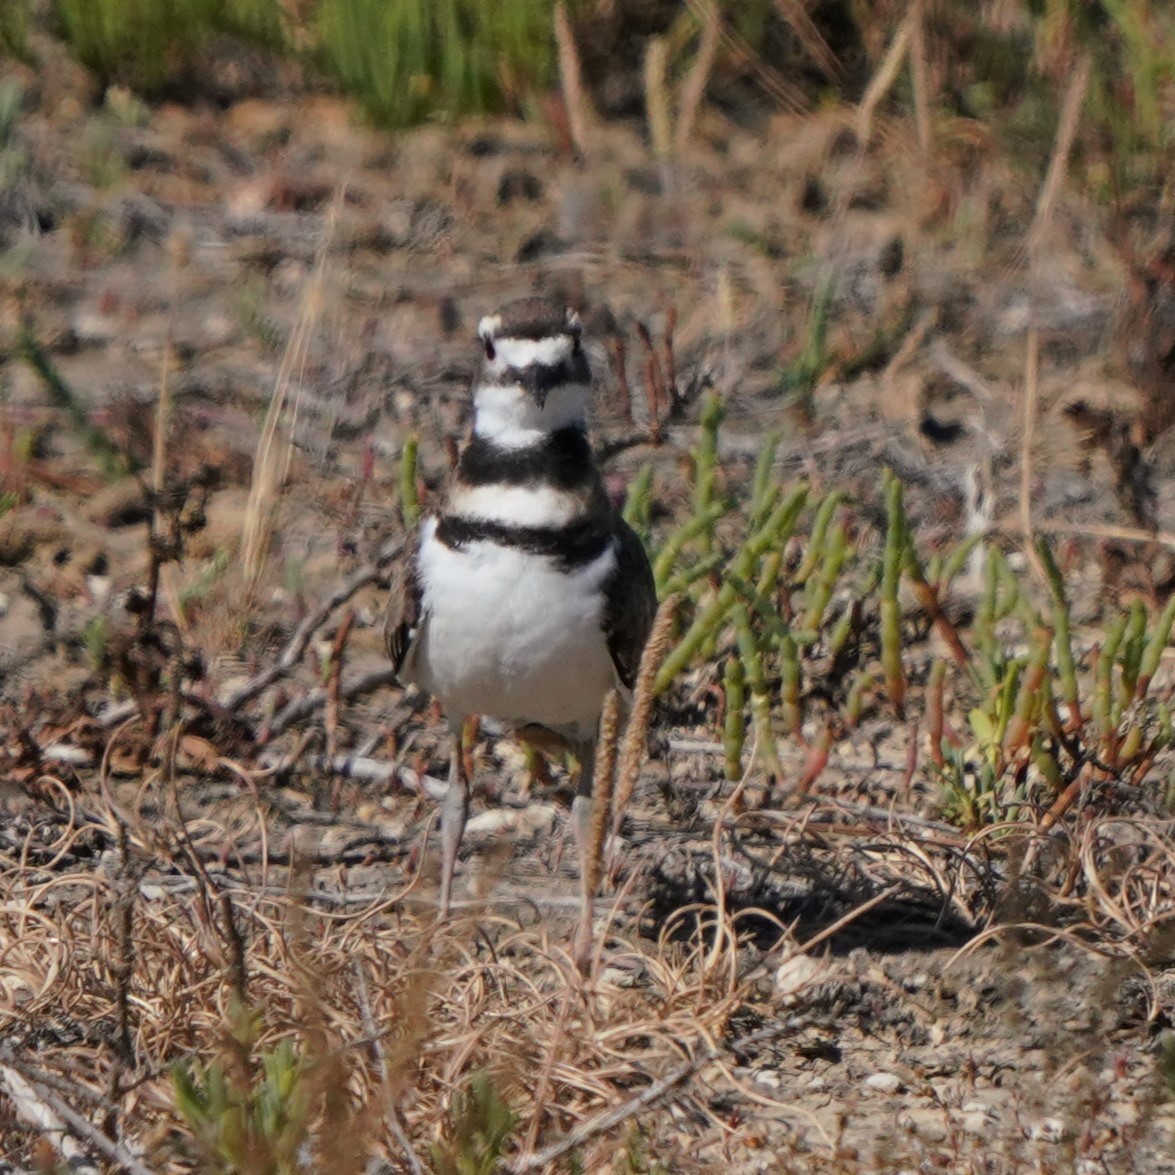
(542, 377)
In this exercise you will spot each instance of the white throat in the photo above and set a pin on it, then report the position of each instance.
(508, 416)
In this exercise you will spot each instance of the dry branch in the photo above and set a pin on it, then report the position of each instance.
(608, 1120)
(32, 1107)
(55, 1109)
(301, 708)
(298, 643)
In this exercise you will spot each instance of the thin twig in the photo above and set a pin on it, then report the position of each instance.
(334, 684)
(1095, 530)
(675, 401)
(542, 1086)
(655, 390)
(375, 1039)
(855, 913)
(271, 468)
(658, 113)
(608, 1120)
(304, 633)
(237, 956)
(303, 707)
(920, 74)
(795, 13)
(653, 398)
(883, 80)
(124, 889)
(1031, 394)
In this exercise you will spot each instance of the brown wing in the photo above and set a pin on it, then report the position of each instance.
(631, 604)
(403, 619)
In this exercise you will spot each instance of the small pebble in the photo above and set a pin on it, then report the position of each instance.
(883, 1082)
(975, 1118)
(795, 973)
(976, 1124)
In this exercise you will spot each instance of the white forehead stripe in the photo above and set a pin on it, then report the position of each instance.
(523, 353)
(489, 325)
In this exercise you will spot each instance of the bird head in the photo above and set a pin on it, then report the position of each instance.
(533, 345)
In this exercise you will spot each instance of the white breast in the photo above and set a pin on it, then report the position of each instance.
(507, 634)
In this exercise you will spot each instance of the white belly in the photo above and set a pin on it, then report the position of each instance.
(509, 635)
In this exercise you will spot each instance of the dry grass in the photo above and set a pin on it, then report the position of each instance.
(183, 897)
(142, 913)
(397, 1009)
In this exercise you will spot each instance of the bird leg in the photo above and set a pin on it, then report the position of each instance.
(454, 812)
(581, 828)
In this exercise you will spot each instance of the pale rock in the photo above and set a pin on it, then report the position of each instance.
(975, 1118)
(1125, 1113)
(99, 587)
(494, 821)
(795, 973)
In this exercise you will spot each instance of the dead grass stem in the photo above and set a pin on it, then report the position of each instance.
(636, 733)
(271, 460)
(693, 88)
(575, 97)
(1067, 126)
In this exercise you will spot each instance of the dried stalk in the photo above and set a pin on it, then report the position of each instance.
(1067, 126)
(271, 466)
(657, 106)
(605, 782)
(580, 115)
(636, 732)
(882, 81)
(693, 89)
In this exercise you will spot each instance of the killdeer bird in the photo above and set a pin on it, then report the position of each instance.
(527, 597)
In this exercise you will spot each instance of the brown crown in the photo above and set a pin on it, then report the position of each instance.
(530, 318)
